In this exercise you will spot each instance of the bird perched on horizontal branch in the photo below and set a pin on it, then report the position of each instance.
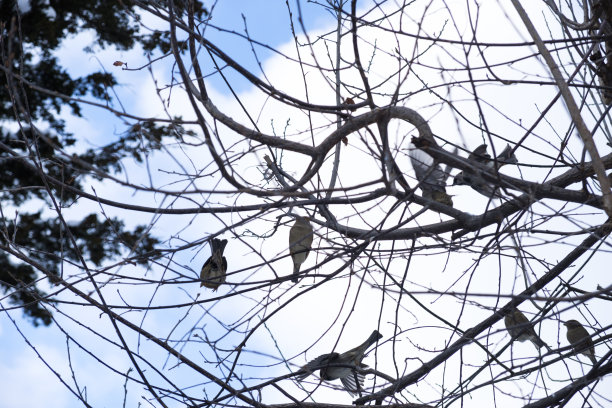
(300, 243)
(580, 339)
(429, 173)
(483, 161)
(214, 269)
(521, 329)
(344, 366)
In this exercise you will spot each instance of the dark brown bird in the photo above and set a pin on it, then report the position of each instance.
(483, 160)
(521, 329)
(300, 243)
(580, 339)
(343, 366)
(214, 269)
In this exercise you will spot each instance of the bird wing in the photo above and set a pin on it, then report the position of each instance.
(518, 325)
(480, 155)
(213, 271)
(207, 263)
(429, 174)
(313, 365)
(506, 156)
(537, 341)
(300, 238)
(353, 383)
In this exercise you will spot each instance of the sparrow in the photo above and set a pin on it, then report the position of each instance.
(605, 78)
(483, 160)
(580, 339)
(300, 243)
(213, 271)
(429, 174)
(343, 366)
(521, 329)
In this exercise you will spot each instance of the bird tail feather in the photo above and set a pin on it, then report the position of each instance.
(538, 342)
(218, 245)
(506, 156)
(296, 272)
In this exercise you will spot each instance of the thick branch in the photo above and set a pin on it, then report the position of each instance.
(600, 233)
(568, 391)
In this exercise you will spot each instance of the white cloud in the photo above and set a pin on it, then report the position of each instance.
(343, 304)
(24, 6)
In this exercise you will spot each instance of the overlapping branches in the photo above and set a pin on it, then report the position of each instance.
(433, 263)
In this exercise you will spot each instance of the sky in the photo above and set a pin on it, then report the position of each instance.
(27, 362)
(301, 323)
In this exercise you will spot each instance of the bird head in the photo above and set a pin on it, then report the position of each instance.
(571, 324)
(460, 180)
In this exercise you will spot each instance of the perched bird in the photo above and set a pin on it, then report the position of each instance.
(343, 366)
(483, 160)
(580, 339)
(429, 174)
(521, 329)
(214, 269)
(604, 75)
(300, 243)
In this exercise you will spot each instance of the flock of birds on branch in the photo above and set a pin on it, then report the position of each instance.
(348, 366)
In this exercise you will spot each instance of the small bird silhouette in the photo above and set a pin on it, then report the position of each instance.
(213, 271)
(483, 160)
(429, 174)
(300, 243)
(343, 366)
(521, 329)
(580, 339)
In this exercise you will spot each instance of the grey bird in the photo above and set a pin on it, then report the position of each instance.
(429, 174)
(484, 162)
(300, 243)
(343, 366)
(214, 269)
(521, 329)
(580, 339)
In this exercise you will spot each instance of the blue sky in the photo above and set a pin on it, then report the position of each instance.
(267, 22)
(28, 381)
